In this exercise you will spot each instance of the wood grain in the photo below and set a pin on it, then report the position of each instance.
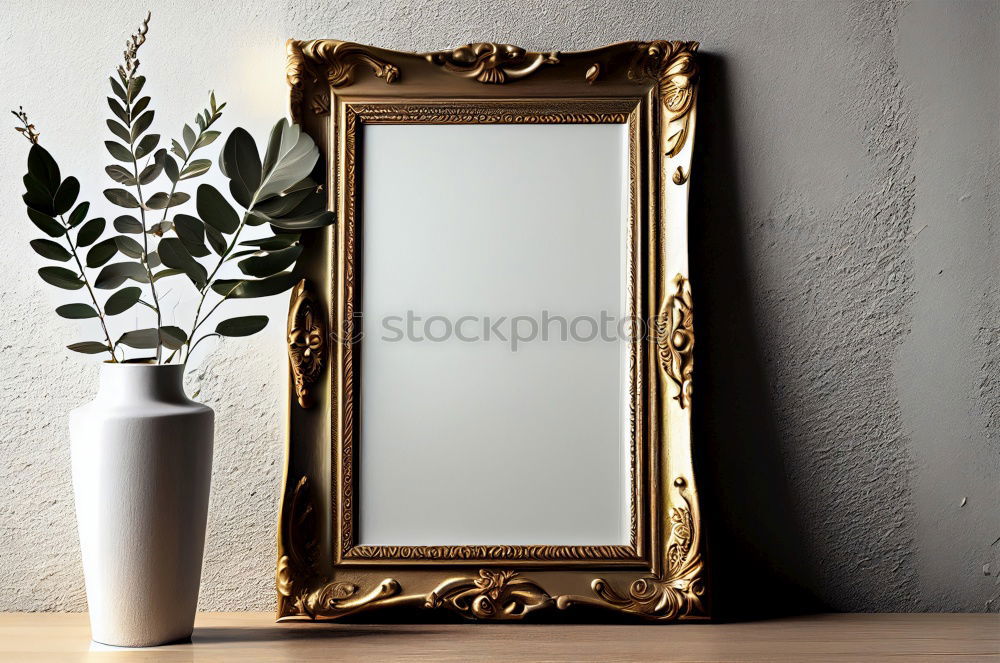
(255, 637)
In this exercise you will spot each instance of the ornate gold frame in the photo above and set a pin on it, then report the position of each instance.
(337, 87)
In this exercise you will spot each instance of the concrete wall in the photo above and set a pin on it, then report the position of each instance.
(845, 271)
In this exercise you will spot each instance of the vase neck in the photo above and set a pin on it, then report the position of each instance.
(142, 382)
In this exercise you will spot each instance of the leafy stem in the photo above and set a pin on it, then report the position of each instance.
(145, 245)
(198, 320)
(86, 281)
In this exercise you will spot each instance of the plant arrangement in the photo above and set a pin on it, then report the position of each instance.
(158, 236)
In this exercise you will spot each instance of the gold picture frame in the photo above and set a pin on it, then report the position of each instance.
(335, 88)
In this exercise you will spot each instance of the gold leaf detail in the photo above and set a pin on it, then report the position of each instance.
(306, 342)
(329, 59)
(672, 65)
(321, 104)
(593, 73)
(674, 327)
(491, 63)
(495, 595)
(677, 592)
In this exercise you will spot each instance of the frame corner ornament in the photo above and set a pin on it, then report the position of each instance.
(306, 342)
(674, 329)
(336, 61)
(491, 63)
(676, 593)
(672, 65)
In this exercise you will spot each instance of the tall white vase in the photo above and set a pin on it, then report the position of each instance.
(142, 466)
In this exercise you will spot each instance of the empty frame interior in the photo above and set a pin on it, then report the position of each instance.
(491, 354)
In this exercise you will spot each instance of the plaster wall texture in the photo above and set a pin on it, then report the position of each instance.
(845, 258)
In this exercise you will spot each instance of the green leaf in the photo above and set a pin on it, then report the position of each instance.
(36, 195)
(142, 339)
(147, 145)
(89, 347)
(178, 149)
(119, 131)
(66, 195)
(270, 263)
(216, 240)
(289, 200)
(139, 106)
(290, 157)
(165, 273)
(240, 162)
(76, 311)
(191, 232)
(206, 138)
(61, 278)
(246, 288)
(115, 274)
(189, 137)
(49, 249)
(122, 300)
(120, 174)
(243, 326)
(102, 252)
(89, 233)
(118, 89)
(140, 125)
(170, 168)
(135, 86)
(153, 259)
(118, 110)
(281, 241)
(46, 223)
(162, 200)
(172, 337)
(216, 210)
(153, 170)
(195, 168)
(118, 151)
(175, 255)
(121, 197)
(128, 246)
(128, 224)
(299, 223)
(79, 214)
(43, 168)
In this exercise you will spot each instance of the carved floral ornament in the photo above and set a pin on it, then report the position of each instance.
(491, 63)
(674, 328)
(306, 342)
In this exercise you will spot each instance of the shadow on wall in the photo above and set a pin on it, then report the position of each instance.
(756, 568)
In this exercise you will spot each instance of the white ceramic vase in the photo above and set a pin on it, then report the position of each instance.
(142, 466)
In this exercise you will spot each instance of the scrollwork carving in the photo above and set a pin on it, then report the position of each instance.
(671, 64)
(493, 595)
(674, 327)
(491, 63)
(306, 342)
(677, 592)
(301, 589)
(332, 60)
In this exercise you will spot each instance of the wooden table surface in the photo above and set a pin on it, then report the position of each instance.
(255, 637)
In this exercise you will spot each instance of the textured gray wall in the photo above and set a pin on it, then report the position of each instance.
(845, 273)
